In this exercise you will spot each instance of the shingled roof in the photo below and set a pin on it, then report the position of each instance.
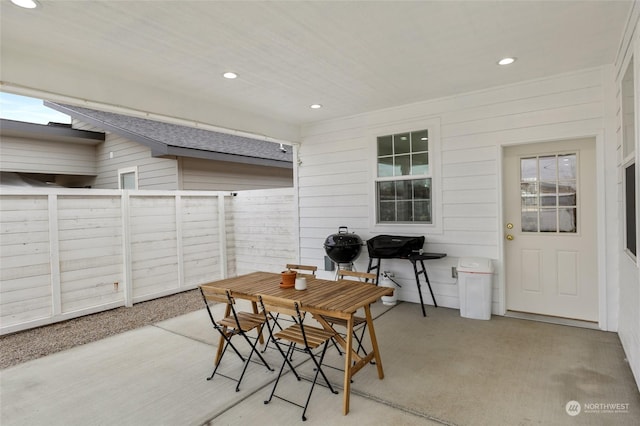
(183, 141)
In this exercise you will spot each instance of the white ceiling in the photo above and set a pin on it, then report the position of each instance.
(351, 57)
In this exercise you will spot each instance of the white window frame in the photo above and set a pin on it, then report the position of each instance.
(631, 162)
(432, 125)
(629, 154)
(125, 171)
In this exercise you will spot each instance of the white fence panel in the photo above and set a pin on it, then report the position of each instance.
(264, 231)
(25, 272)
(90, 251)
(67, 253)
(201, 248)
(154, 246)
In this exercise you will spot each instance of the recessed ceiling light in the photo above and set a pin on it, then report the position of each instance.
(230, 75)
(506, 61)
(315, 106)
(27, 4)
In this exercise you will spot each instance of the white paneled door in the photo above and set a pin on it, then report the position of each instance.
(550, 229)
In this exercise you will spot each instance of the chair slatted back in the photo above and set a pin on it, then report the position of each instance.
(275, 304)
(219, 295)
(368, 277)
(303, 268)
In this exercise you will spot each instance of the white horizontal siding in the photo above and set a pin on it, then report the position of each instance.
(118, 153)
(28, 155)
(208, 175)
(184, 174)
(335, 176)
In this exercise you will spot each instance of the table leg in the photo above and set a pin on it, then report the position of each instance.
(221, 342)
(374, 341)
(347, 365)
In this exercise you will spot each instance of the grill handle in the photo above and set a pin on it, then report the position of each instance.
(343, 230)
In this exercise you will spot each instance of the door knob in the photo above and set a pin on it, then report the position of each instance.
(509, 225)
(509, 237)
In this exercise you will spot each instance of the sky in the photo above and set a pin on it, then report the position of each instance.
(22, 108)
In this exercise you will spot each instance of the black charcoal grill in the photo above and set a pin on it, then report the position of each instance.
(401, 247)
(394, 246)
(343, 247)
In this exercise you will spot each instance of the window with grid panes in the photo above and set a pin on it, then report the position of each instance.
(403, 183)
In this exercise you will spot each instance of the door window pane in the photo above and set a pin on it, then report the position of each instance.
(529, 194)
(530, 221)
(529, 169)
(567, 167)
(548, 168)
(567, 193)
(548, 221)
(549, 193)
(567, 220)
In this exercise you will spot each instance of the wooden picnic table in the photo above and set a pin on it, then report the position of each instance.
(339, 299)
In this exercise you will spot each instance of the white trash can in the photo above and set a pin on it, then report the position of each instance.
(474, 286)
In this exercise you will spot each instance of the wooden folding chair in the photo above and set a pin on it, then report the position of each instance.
(303, 269)
(303, 338)
(234, 323)
(359, 323)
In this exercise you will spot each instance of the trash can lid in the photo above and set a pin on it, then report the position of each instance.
(477, 265)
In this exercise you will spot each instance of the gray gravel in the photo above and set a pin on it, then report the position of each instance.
(26, 345)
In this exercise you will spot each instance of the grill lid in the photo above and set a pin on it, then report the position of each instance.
(393, 246)
(343, 247)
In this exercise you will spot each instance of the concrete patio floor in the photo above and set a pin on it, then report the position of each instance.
(442, 369)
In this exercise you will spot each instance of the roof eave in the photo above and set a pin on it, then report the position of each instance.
(219, 156)
(154, 145)
(22, 129)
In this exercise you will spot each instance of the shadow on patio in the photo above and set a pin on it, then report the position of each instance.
(442, 369)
